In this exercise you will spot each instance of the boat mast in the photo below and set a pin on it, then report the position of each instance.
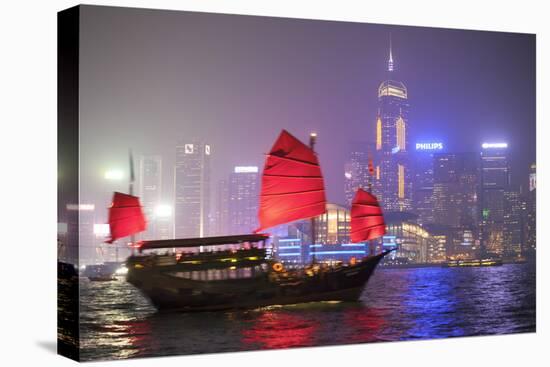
(312, 141)
(131, 192)
(369, 184)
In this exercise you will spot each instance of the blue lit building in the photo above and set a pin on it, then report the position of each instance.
(423, 182)
(495, 181)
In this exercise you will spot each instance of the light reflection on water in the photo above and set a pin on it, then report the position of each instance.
(398, 304)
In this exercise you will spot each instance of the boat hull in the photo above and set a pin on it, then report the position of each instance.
(169, 292)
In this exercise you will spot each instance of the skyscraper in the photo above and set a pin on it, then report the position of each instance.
(455, 181)
(192, 189)
(495, 180)
(393, 184)
(149, 191)
(530, 215)
(356, 169)
(423, 180)
(512, 224)
(243, 200)
(221, 217)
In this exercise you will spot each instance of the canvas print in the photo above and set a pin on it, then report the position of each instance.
(230, 183)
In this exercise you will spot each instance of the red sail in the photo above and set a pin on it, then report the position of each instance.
(125, 216)
(292, 184)
(367, 221)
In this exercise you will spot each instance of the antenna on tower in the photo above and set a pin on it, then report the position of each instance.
(390, 59)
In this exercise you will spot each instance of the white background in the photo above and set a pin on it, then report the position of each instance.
(28, 181)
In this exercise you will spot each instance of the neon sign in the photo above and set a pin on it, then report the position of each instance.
(429, 146)
(494, 145)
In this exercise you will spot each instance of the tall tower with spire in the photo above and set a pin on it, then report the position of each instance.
(393, 172)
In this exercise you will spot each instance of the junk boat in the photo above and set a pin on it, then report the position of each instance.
(232, 272)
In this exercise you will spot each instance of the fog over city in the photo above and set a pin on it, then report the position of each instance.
(152, 78)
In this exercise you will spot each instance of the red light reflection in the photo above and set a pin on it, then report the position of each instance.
(273, 330)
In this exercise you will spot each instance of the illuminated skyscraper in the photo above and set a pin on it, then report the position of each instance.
(356, 169)
(495, 180)
(393, 184)
(512, 223)
(192, 189)
(423, 180)
(149, 191)
(530, 215)
(243, 200)
(455, 182)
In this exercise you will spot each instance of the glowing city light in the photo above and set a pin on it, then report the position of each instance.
(246, 169)
(101, 229)
(163, 211)
(494, 145)
(121, 271)
(81, 207)
(113, 175)
(429, 146)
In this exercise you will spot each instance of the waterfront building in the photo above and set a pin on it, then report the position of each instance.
(495, 180)
(149, 180)
(512, 224)
(243, 200)
(393, 185)
(411, 239)
(333, 227)
(192, 189)
(437, 249)
(464, 243)
(530, 222)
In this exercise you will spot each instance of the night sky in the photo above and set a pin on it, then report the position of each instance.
(151, 78)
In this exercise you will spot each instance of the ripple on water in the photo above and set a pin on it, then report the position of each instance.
(117, 322)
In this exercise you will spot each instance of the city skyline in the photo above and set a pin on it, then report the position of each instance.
(344, 182)
(303, 89)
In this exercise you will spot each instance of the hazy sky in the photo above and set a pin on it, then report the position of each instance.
(151, 78)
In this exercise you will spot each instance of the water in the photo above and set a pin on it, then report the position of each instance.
(397, 304)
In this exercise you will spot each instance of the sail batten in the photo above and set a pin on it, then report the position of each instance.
(292, 184)
(294, 193)
(126, 216)
(367, 221)
(294, 160)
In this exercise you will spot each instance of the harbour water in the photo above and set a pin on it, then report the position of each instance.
(117, 322)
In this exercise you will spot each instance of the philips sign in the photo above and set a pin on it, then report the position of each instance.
(429, 146)
(494, 145)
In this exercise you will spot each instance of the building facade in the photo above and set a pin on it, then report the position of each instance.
(221, 213)
(423, 180)
(411, 240)
(393, 172)
(356, 170)
(243, 200)
(192, 189)
(530, 214)
(513, 224)
(495, 181)
(150, 191)
(455, 185)
(333, 227)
